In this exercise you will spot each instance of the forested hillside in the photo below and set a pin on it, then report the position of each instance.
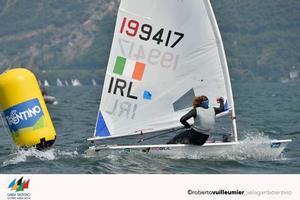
(261, 38)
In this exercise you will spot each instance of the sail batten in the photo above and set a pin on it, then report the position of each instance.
(163, 54)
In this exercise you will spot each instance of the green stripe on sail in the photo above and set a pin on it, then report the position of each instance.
(119, 65)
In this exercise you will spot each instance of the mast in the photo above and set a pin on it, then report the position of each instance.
(224, 66)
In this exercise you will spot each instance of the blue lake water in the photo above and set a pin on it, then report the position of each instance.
(265, 111)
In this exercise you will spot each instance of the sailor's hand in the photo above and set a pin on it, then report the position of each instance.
(220, 100)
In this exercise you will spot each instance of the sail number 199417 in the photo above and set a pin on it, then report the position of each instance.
(145, 32)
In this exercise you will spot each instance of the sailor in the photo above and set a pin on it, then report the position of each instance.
(43, 89)
(204, 121)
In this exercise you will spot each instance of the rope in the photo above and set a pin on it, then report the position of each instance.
(143, 139)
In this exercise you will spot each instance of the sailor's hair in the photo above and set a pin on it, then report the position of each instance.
(198, 100)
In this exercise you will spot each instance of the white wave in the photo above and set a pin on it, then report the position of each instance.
(254, 146)
(22, 155)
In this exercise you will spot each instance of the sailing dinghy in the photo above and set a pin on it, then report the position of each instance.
(163, 54)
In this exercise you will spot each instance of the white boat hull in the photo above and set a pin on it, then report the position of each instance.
(227, 150)
(50, 99)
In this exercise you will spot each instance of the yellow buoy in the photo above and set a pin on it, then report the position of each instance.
(25, 110)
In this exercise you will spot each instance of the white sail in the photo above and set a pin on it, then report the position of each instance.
(163, 54)
(59, 83)
(94, 83)
(75, 82)
(293, 74)
(46, 83)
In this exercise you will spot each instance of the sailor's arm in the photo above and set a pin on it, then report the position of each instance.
(187, 116)
(221, 107)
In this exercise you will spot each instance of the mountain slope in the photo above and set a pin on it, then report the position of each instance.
(261, 38)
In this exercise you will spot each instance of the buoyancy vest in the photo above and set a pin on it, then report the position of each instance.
(204, 120)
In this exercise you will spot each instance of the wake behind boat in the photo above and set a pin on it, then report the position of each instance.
(164, 53)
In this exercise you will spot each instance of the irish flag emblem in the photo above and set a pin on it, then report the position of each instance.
(129, 68)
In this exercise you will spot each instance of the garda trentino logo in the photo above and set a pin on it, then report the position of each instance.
(18, 189)
(23, 115)
(19, 185)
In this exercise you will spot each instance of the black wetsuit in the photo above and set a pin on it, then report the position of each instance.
(191, 136)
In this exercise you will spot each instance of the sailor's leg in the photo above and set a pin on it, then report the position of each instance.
(198, 138)
(181, 138)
